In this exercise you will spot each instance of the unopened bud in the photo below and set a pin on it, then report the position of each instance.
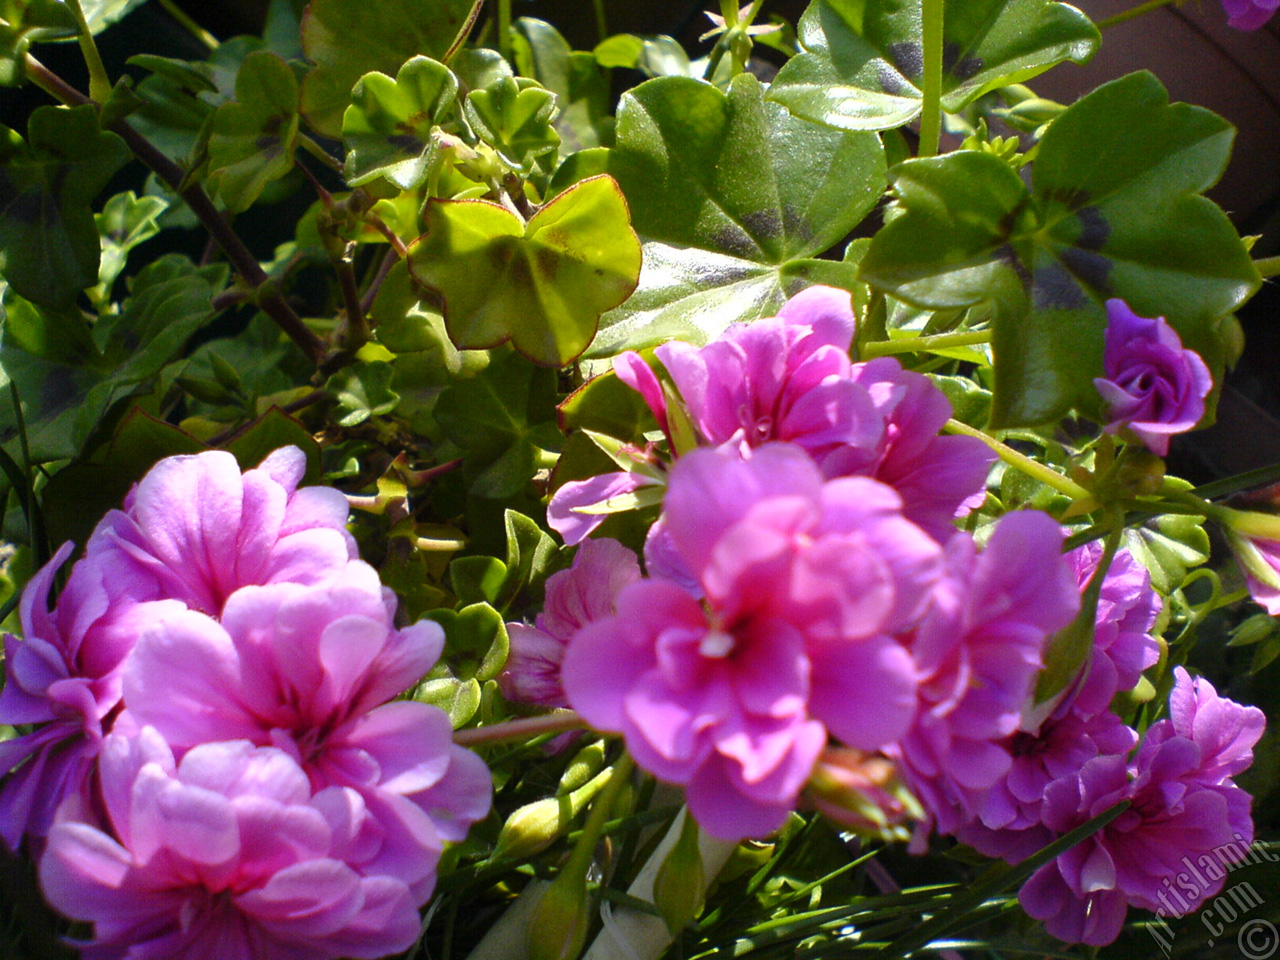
(681, 880)
(537, 825)
(585, 765)
(558, 929)
(862, 792)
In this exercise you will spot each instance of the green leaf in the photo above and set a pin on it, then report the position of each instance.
(387, 128)
(475, 639)
(542, 284)
(251, 141)
(78, 495)
(574, 76)
(652, 56)
(362, 390)
(65, 399)
(348, 40)
(1168, 547)
(477, 579)
(514, 117)
(49, 247)
(967, 230)
(271, 431)
(103, 13)
(125, 222)
(501, 418)
(26, 22)
(460, 699)
(727, 190)
(606, 405)
(861, 63)
(531, 556)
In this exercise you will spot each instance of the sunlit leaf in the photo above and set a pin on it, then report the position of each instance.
(968, 230)
(861, 63)
(542, 284)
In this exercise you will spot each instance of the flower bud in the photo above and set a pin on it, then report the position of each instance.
(537, 825)
(558, 929)
(862, 792)
(585, 765)
(681, 880)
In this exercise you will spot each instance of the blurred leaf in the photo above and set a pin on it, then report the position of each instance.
(49, 248)
(81, 493)
(1168, 547)
(362, 390)
(26, 22)
(387, 128)
(967, 231)
(125, 222)
(581, 88)
(65, 398)
(728, 191)
(652, 56)
(477, 579)
(348, 40)
(271, 431)
(501, 418)
(861, 64)
(251, 141)
(103, 13)
(541, 284)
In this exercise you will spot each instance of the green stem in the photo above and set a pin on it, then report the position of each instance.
(193, 28)
(99, 82)
(557, 721)
(1134, 12)
(602, 25)
(584, 850)
(1032, 468)
(931, 113)
(1270, 267)
(504, 29)
(321, 154)
(939, 341)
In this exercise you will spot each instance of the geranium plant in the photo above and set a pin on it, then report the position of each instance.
(471, 497)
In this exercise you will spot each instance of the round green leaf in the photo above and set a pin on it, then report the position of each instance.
(347, 40)
(861, 64)
(543, 284)
(387, 128)
(252, 140)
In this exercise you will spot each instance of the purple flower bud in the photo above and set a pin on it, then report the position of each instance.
(1249, 14)
(1154, 387)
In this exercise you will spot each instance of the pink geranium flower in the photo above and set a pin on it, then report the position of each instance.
(225, 854)
(574, 598)
(194, 530)
(1184, 807)
(805, 583)
(63, 675)
(977, 654)
(309, 669)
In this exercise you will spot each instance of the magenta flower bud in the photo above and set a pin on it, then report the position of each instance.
(1249, 14)
(1154, 387)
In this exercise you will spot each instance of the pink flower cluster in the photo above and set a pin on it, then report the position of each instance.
(220, 765)
(811, 613)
